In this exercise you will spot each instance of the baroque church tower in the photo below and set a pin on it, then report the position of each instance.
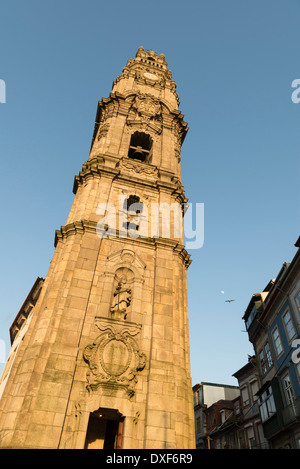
(100, 348)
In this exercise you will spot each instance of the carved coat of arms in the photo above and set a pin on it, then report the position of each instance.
(144, 104)
(114, 357)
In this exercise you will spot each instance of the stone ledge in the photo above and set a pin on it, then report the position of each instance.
(89, 226)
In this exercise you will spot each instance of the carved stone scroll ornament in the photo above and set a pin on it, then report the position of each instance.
(103, 131)
(145, 112)
(133, 166)
(114, 358)
(147, 105)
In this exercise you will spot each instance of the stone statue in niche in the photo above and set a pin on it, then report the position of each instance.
(121, 300)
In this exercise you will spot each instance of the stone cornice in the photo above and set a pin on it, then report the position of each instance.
(83, 226)
(95, 167)
(130, 171)
(78, 227)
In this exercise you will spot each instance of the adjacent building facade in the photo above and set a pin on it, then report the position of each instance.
(205, 395)
(273, 323)
(251, 434)
(103, 357)
(223, 423)
(227, 417)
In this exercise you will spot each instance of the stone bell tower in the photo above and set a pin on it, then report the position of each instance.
(100, 348)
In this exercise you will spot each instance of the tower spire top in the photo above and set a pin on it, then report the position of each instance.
(149, 54)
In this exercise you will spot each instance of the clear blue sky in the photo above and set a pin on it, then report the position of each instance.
(234, 63)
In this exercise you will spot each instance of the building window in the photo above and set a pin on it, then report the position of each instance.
(251, 317)
(266, 404)
(298, 300)
(132, 204)
(288, 324)
(277, 342)
(268, 355)
(263, 362)
(132, 200)
(140, 147)
(245, 396)
(288, 388)
(254, 389)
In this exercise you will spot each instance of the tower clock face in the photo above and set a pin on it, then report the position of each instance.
(150, 75)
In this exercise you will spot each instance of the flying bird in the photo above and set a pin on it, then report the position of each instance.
(229, 301)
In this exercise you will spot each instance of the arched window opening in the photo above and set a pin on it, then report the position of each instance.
(132, 203)
(140, 147)
(133, 199)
